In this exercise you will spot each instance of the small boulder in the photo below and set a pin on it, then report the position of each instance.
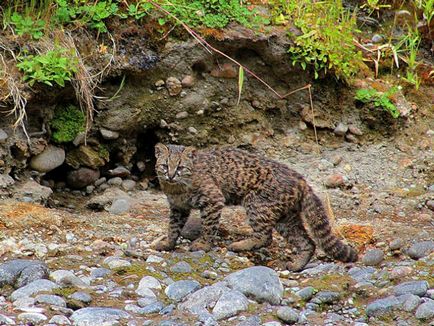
(373, 257)
(82, 177)
(51, 158)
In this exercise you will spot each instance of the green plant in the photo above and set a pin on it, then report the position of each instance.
(326, 40)
(94, 14)
(25, 25)
(137, 10)
(378, 99)
(56, 65)
(212, 13)
(67, 123)
(428, 9)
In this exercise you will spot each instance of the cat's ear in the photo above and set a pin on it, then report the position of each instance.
(189, 151)
(160, 149)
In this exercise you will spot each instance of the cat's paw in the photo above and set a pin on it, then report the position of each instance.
(164, 245)
(244, 245)
(200, 244)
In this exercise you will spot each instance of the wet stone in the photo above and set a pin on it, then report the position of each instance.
(418, 288)
(288, 315)
(373, 257)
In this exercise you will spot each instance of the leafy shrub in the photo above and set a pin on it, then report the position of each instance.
(53, 66)
(378, 99)
(326, 40)
(95, 14)
(25, 25)
(67, 123)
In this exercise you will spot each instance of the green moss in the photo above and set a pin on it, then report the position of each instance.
(103, 152)
(137, 269)
(64, 292)
(67, 123)
(332, 282)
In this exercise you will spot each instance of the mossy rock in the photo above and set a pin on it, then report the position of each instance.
(85, 156)
(67, 123)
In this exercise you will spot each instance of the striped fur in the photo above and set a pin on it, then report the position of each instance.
(273, 195)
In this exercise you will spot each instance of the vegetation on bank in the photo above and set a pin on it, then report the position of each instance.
(327, 37)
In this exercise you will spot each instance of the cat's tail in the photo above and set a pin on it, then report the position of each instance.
(315, 217)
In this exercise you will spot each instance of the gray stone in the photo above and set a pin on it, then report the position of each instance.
(204, 298)
(430, 204)
(409, 302)
(3, 136)
(418, 288)
(109, 134)
(181, 115)
(381, 307)
(99, 272)
(341, 129)
(114, 262)
(373, 257)
(67, 278)
(355, 130)
(377, 38)
(119, 206)
(34, 191)
(259, 282)
(98, 315)
(152, 308)
(143, 302)
(153, 259)
(326, 297)
(116, 181)
(34, 288)
(180, 289)
(50, 299)
(51, 158)
(425, 311)
(188, 81)
(20, 272)
(119, 171)
(361, 274)
(181, 267)
(59, 320)
(230, 304)
(306, 293)
(250, 321)
(32, 317)
(396, 244)
(288, 315)
(5, 320)
(101, 201)
(421, 249)
(24, 302)
(128, 185)
(82, 177)
(147, 282)
(81, 296)
(5, 181)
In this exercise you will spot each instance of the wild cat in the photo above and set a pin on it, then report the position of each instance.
(273, 195)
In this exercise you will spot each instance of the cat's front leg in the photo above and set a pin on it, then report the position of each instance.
(177, 220)
(210, 215)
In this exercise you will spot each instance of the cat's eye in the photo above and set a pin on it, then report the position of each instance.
(164, 167)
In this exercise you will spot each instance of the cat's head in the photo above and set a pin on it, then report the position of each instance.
(174, 163)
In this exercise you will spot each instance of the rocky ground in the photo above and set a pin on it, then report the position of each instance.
(89, 261)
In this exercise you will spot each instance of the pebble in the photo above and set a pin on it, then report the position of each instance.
(116, 262)
(180, 289)
(430, 204)
(400, 271)
(373, 257)
(306, 293)
(205, 297)
(192, 229)
(418, 288)
(32, 317)
(97, 316)
(181, 115)
(5, 320)
(326, 297)
(396, 244)
(259, 282)
(377, 38)
(119, 171)
(128, 185)
(288, 315)
(334, 181)
(119, 206)
(410, 302)
(174, 86)
(425, 311)
(50, 299)
(154, 259)
(381, 307)
(67, 278)
(51, 158)
(81, 296)
(82, 177)
(355, 130)
(421, 249)
(341, 129)
(188, 81)
(5, 181)
(59, 320)
(181, 267)
(230, 304)
(109, 134)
